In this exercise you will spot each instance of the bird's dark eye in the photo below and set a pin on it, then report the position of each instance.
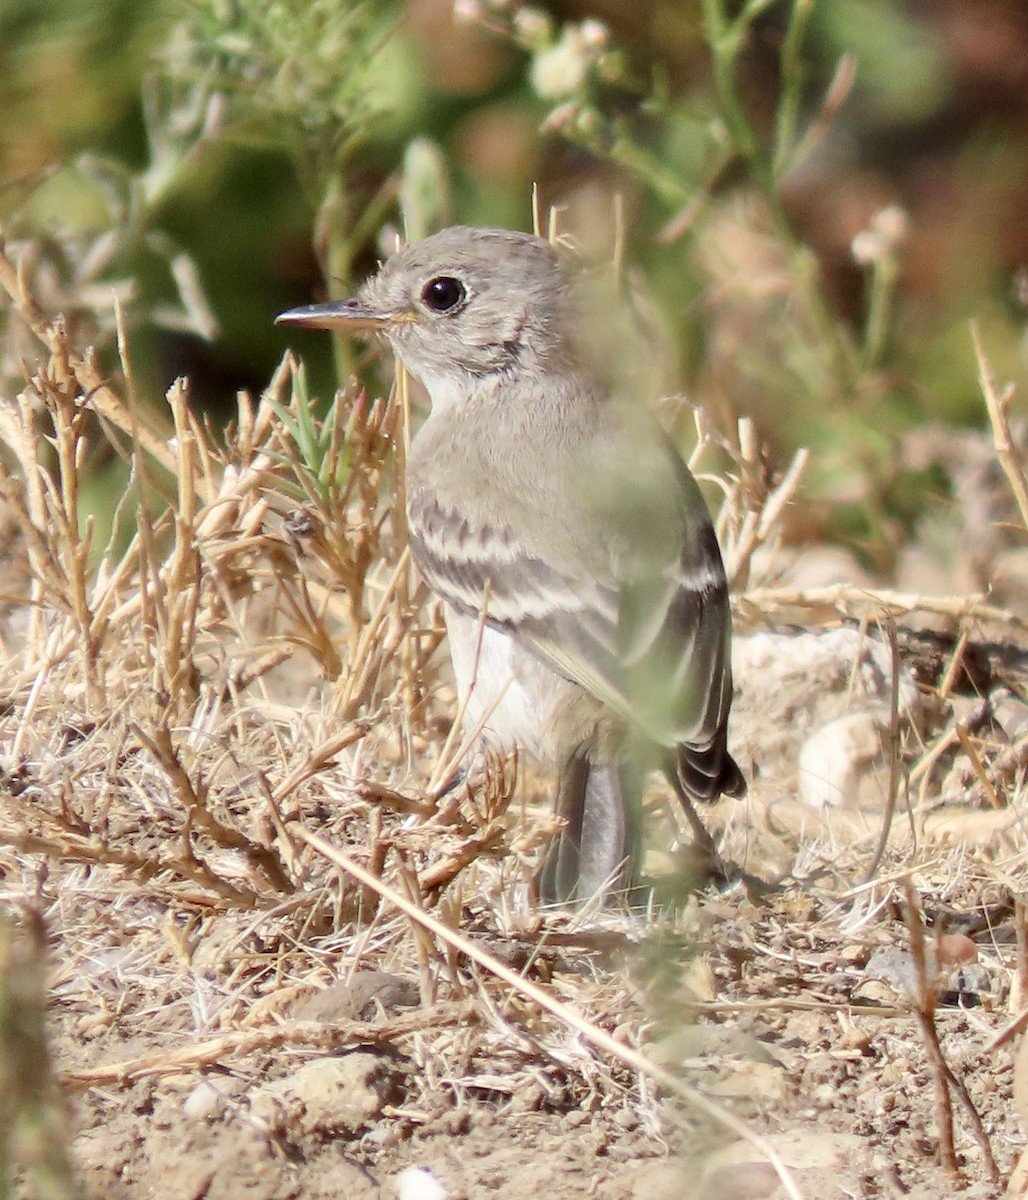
(443, 293)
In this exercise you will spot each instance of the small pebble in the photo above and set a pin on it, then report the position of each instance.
(415, 1183)
(203, 1102)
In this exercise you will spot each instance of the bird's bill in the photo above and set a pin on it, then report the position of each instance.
(342, 314)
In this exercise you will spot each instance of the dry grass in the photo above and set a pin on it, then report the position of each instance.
(206, 719)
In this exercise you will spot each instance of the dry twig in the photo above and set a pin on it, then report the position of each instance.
(924, 1001)
(997, 404)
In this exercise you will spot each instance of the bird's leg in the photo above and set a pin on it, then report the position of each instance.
(558, 877)
(704, 845)
(594, 853)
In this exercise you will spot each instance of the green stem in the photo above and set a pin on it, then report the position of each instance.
(793, 78)
(644, 165)
(337, 258)
(725, 39)
(879, 311)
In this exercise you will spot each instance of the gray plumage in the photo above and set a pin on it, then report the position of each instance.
(537, 492)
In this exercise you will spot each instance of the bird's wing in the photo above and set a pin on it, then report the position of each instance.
(646, 631)
(668, 670)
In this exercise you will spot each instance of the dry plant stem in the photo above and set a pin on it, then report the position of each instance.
(924, 1009)
(759, 522)
(442, 873)
(792, 1004)
(294, 1033)
(45, 499)
(73, 848)
(1010, 1030)
(974, 758)
(445, 769)
(922, 769)
(836, 94)
(894, 754)
(997, 405)
(563, 1012)
(686, 217)
(193, 797)
(943, 1104)
(72, 548)
(373, 792)
(180, 579)
(167, 597)
(956, 661)
(95, 390)
(1020, 985)
(375, 646)
(945, 1080)
(322, 756)
(874, 884)
(825, 605)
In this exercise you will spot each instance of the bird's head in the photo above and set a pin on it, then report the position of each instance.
(465, 302)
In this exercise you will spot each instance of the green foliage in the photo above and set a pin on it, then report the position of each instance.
(322, 462)
(313, 76)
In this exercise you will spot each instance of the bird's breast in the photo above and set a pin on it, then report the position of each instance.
(511, 698)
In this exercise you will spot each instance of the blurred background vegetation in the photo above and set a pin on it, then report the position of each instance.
(814, 197)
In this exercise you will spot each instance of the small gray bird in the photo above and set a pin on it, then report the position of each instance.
(584, 593)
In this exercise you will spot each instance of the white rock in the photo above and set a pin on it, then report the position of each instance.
(204, 1101)
(836, 759)
(415, 1183)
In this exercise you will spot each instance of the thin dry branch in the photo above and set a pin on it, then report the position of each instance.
(894, 755)
(314, 1034)
(192, 794)
(974, 758)
(320, 757)
(94, 389)
(825, 606)
(69, 847)
(762, 512)
(997, 404)
(924, 1003)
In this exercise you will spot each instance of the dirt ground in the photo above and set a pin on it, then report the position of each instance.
(797, 1042)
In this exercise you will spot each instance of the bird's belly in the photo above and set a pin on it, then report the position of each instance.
(514, 699)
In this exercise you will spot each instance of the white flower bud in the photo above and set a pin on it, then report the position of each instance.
(885, 233)
(467, 11)
(868, 247)
(892, 223)
(560, 70)
(533, 27)
(595, 34)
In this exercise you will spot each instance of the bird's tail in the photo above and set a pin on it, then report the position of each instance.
(711, 772)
